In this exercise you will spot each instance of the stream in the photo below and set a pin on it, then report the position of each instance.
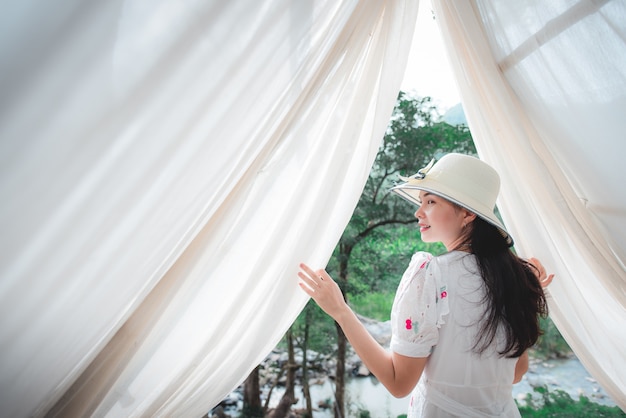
(368, 394)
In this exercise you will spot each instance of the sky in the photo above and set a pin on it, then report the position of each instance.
(428, 72)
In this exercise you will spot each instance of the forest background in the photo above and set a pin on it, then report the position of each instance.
(370, 258)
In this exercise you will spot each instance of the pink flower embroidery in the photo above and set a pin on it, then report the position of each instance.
(444, 294)
(414, 325)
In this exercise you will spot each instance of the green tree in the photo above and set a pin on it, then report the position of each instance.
(313, 331)
(415, 135)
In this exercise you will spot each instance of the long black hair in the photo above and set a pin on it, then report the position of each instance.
(514, 299)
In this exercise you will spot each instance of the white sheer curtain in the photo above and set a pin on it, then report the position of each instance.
(165, 166)
(544, 89)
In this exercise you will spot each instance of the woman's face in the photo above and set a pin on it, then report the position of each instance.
(441, 221)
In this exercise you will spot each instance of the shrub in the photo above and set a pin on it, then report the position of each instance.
(363, 413)
(559, 404)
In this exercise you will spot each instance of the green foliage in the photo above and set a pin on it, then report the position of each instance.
(363, 413)
(373, 305)
(559, 404)
(551, 343)
(414, 136)
(376, 244)
(322, 332)
(377, 263)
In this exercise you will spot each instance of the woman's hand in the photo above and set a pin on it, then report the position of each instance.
(540, 272)
(323, 289)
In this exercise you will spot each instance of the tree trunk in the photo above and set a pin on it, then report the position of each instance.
(288, 399)
(291, 367)
(274, 384)
(252, 395)
(306, 391)
(340, 384)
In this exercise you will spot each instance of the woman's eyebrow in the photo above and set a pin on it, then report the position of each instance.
(421, 198)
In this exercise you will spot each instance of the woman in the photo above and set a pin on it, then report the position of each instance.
(464, 319)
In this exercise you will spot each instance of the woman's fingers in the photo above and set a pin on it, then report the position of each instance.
(309, 277)
(544, 279)
(546, 282)
(322, 288)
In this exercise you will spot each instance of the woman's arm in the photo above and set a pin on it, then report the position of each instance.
(521, 367)
(399, 374)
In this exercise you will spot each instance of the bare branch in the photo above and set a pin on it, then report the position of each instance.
(373, 226)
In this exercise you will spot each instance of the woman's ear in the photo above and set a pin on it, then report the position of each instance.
(468, 217)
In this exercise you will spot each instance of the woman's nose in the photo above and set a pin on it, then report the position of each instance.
(418, 213)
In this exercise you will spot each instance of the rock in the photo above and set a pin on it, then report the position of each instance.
(282, 410)
(273, 357)
(325, 404)
(330, 366)
(312, 355)
(363, 371)
(219, 413)
(232, 399)
(381, 331)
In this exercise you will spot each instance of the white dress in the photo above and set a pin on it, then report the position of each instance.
(435, 313)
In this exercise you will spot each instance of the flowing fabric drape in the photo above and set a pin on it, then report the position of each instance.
(544, 89)
(165, 166)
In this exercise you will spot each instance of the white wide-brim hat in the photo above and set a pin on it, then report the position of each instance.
(461, 179)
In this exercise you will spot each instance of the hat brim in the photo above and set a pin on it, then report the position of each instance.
(410, 192)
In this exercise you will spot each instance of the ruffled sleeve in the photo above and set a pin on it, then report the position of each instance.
(419, 307)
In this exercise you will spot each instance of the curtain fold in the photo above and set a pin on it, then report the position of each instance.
(165, 167)
(544, 91)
